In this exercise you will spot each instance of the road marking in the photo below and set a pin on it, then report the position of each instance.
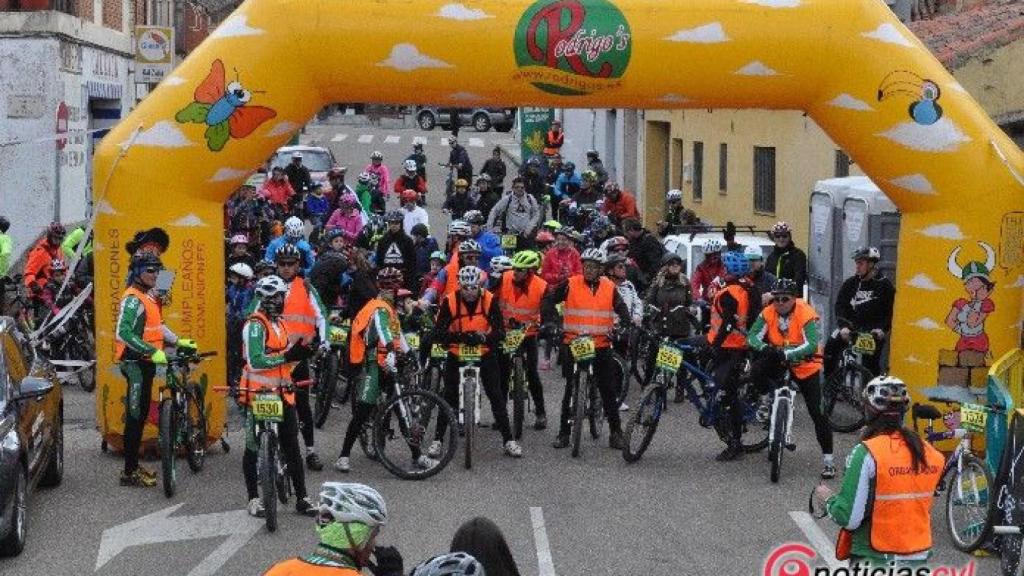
(816, 538)
(419, 140)
(476, 142)
(366, 138)
(392, 139)
(444, 141)
(339, 137)
(545, 566)
(160, 527)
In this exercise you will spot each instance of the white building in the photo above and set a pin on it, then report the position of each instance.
(616, 134)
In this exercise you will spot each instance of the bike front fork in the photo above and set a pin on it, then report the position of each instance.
(469, 375)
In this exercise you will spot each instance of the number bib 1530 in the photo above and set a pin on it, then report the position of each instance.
(470, 352)
(513, 340)
(582, 348)
(268, 407)
(972, 417)
(865, 344)
(509, 241)
(669, 358)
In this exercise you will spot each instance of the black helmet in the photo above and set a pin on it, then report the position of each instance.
(670, 257)
(613, 259)
(784, 286)
(569, 166)
(146, 259)
(395, 216)
(287, 252)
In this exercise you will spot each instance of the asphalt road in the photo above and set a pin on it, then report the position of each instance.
(675, 512)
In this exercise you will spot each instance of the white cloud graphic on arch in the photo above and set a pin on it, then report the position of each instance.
(236, 26)
(163, 134)
(927, 324)
(774, 3)
(189, 221)
(282, 128)
(889, 34)
(850, 103)
(173, 81)
(946, 231)
(915, 183)
(458, 11)
(229, 174)
(103, 207)
(914, 359)
(673, 99)
(407, 57)
(943, 136)
(923, 282)
(1019, 283)
(756, 68)
(707, 34)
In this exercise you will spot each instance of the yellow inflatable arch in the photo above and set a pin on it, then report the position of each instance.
(850, 64)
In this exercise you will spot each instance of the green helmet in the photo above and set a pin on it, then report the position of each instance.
(589, 175)
(526, 260)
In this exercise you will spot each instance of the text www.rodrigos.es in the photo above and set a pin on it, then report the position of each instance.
(795, 559)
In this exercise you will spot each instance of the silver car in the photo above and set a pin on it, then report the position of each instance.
(482, 119)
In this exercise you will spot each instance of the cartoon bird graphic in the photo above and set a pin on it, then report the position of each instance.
(925, 109)
(224, 109)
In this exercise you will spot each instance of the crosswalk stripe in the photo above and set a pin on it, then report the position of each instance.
(476, 142)
(339, 137)
(444, 141)
(392, 140)
(419, 140)
(366, 138)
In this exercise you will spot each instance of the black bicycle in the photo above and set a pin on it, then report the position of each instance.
(183, 424)
(332, 383)
(842, 392)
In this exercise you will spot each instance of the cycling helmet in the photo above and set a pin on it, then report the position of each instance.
(469, 246)
(376, 155)
(287, 252)
(552, 224)
(544, 237)
(784, 286)
(474, 217)
(242, 269)
(146, 259)
(485, 177)
(293, 227)
(239, 239)
(753, 253)
(364, 177)
(333, 233)
(712, 246)
(349, 502)
(674, 195)
(589, 175)
(614, 259)
(593, 255)
(670, 257)
(264, 266)
(525, 260)
(461, 183)
(500, 264)
(781, 229)
(393, 256)
(409, 196)
(389, 278)
(592, 152)
(271, 286)
(569, 167)
(452, 564)
(56, 229)
(395, 216)
(736, 263)
(869, 253)
(458, 228)
(336, 171)
(470, 276)
(886, 394)
(58, 265)
(438, 255)
(615, 243)
(410, 165)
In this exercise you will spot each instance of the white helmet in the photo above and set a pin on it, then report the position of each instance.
(593, 254)
(500, 264)
(753, 252)
(271, 286)
(886, 394)
(459, 228)
(470, 276)
(242, 269)
(674, 194)
(451, 564)
(410, 165)
(377, 155)
(293, 227)
(350, 502)
(712, 246)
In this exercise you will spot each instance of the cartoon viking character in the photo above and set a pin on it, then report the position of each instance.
(967, 315)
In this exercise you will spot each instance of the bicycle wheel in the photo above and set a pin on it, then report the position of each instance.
(579, 410)
(968, 492)
(518, 397)
(195, 430)
(342, 387)
(778, 440)
(168, 433)
(469, 419)
(644, 422)
(755, 432)
(406, 426)
(595, 411)
(267, 471)
(843, 404)
(325, 386)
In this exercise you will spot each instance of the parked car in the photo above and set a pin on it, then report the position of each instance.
(31, 433)
(482, 119)
(317, 159)
(691, 249)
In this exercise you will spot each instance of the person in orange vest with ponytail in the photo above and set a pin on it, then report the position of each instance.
(884, 505)
(554, 139)
(786, 335)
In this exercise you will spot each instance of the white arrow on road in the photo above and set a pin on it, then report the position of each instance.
(160, 527)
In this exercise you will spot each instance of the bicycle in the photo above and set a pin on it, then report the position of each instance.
(843, 388)
(513, 346)
(780, 426)
(182, 420)
(469, 355)
(585, 401)
(331, 380)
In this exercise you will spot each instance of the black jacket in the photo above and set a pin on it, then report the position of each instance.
(445, 318)
(646, 251)
(865, 305)
(496, 169)
(789, 262)
(670, 294)
(458, 155)
(407, 247)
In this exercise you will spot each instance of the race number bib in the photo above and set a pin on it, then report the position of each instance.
(509, 241)
(582, 348)
(865, 344)
(413, 340)
(973, 417)
(669, 358)
(514, 339)
(268, 407)
(337, 335)
(470, 352)
(436, 351)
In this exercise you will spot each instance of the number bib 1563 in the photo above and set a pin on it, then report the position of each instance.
(669, 358)
(470, 352)
(972, 417)
(509, 241)
(865, 344)
(268, 407)
(513, 340)
(413, 340)
(582, 348)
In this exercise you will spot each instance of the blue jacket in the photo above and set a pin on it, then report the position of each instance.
(490, 246)
(423, 252)
(563, 184)
(301, 244)
(238, 298)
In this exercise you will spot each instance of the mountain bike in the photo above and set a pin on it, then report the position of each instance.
(332, 382)
(780, 427)
(513, 347)
(842, 392)
(585, 401)
(182, 422)
(469, 356)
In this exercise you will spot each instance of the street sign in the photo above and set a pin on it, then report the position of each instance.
(160, 527)
(154, 53)
(535, 123)
(63, 114)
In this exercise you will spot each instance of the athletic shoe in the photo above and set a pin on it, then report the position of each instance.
(562, 441)
(828, 472)
(305, 507)
(342, 464)
(616, 441)
(256, 509)
(731, 452)
(425, 462)
(513, 449)
(434, 450)
(623, 407)
(147, 472)
(540, 422)
(138, 479)
(313, 462)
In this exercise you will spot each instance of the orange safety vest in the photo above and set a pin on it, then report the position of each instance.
(357, 342)
(802, 314)
(276, 342)
(519, 305)
(588, 312)
(553, 142)
(299, 316)
(901, 510)
(299, 567)
(734, 340)
(153, 331)
(451, 282)
(465, 320)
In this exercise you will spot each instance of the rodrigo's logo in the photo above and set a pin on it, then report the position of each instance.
(572, 47)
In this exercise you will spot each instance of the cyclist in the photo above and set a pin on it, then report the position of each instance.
(786, 260)
(420, 158)
(669, 290)
(140, 338)
(517, 213)
(268, 359)
(591, 305)
(459, 201)
(437, 262)
(411, 180)
(619, 245)
(673, 213)
(377, 168)
(490, 244)
(349, 517)
(239, 295)
(884, 505)
(347, 218)
(863, 304)
(294, 235)
(398, 243)
(447, 281)
(48, 296)
(709, 269)
(487, 195)
(364, 192)
(519, 298)
(615, 270)
(562, 260)
(37, 265)
(617, 203)
(450, 564)
(644, 249)
(730, 316)
(6, 246)
(376, 328)
(414, 213)
(470, 316)
(786, 336)
(298, 175)
(760, 279)
(499, 265)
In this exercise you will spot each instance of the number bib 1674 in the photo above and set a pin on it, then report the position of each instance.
(470, 352)
(669, 358)
(972, 417)
(268, 407)
(865, 344)
(582, 348)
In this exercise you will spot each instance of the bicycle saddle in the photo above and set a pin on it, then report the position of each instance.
(925, 412)
(950, 394)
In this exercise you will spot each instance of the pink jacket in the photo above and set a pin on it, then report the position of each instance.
(385, 177)
(560, 264)
(349, 224)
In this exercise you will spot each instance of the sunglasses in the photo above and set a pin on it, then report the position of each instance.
(287, 263)
(782, 299)
(151, 270)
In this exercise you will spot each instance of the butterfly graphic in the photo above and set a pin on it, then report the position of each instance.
(224, 109)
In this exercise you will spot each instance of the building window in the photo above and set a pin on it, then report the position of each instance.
(723, 168)
(842, 164)
(698, 170)
(764, 179)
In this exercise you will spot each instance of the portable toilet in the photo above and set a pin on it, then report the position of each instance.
(869, 219)
(824, 273)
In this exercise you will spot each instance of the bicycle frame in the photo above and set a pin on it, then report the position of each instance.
(471, 374)
(785, 392)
